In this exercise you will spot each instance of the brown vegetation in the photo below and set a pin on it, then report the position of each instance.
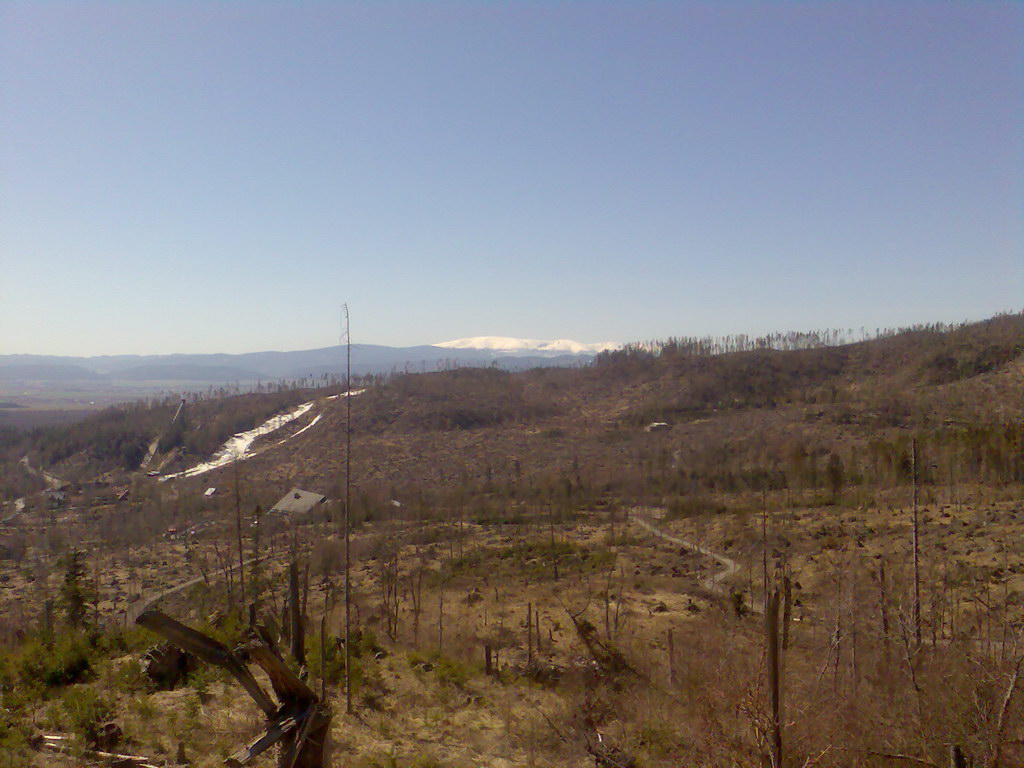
(509, 609)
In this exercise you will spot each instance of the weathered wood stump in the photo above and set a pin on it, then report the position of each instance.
(299, 721)
(167, 666)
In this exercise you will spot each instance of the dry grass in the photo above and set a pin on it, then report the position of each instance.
(423, 705)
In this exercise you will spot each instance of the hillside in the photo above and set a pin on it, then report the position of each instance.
(618, 573)
(733, 416)
(730, 414)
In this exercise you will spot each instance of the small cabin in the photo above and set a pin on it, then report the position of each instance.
(297, 502)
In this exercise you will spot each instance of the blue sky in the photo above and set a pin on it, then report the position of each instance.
(220, 177)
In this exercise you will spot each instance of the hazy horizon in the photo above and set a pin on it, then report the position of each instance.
(854, 331)
(248, 351)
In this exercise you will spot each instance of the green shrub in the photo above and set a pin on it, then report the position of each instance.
(133, 639)
(451, 672)
(447, 669)
(332, 658)
(85, 709)
(67, 660)
(129, 677)
(14, 740)
(364, 643)
(199, 680)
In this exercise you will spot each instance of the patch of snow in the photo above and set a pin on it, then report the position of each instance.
(513, 346)
(285, 440)
(237, 446)
(353, 393)
(313, 422)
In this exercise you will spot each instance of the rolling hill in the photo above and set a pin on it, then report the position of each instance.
(732, 415)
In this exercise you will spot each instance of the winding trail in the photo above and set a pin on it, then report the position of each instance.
(713, 582)
(137, 607)
(54, 482)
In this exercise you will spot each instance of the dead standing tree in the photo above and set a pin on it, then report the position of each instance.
(300, 720)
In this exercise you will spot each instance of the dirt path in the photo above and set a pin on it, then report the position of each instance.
(713, 582)
(53, 481)
(138, 607)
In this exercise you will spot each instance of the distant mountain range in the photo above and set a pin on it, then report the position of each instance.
(504, 352)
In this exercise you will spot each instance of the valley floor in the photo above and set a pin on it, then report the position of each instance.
(619, 637)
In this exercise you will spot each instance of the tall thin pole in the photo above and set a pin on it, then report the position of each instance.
(348, 517)
(771, 618)
(917, 566)
(238, 528)
(764, 549)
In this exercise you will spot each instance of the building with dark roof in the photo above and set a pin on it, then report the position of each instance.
(297, 502)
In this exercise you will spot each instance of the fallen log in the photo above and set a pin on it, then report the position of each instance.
(299, 722)
(209, 650)
(64, 744)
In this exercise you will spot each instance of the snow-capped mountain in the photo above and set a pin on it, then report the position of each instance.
(506, 345)
(137, 370)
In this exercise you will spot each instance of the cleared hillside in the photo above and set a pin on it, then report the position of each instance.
(731, 415)
(617, 574)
